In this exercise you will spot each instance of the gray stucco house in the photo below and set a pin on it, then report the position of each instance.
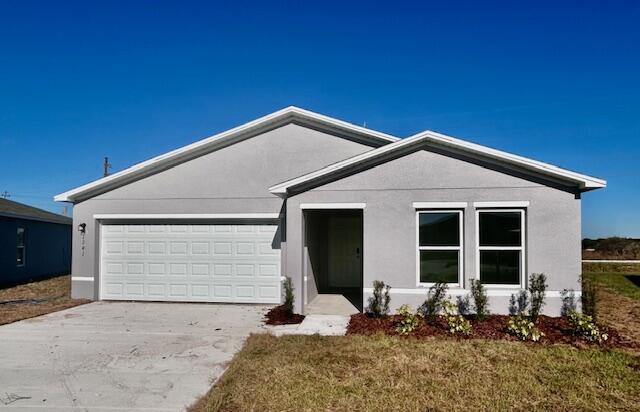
(34, 243)
(332, 205)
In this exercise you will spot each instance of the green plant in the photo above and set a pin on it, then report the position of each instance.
(409, 320)
(464, 304)
(524, 328)
(433, 304)
(379, 302)
(288, 296)
(537, 289)
(518, 303)
(455, 321)
(480, 301)
(584, 325)
(569, 303)
(589, 298)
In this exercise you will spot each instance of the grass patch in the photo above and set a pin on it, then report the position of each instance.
(623, 283)
(622, 267)
(389, 373)
(36, 298)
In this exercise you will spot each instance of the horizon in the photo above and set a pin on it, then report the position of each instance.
(555, 83)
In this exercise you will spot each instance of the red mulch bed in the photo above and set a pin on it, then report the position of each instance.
(556, 330)
(278, 316)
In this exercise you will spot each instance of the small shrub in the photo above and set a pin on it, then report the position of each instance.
(455, 321)
(589, 298)
(379, 302)
(409, 321)
(524, 328)
(584, 325)
(288, 296)
(569, 303)
(537, 289)
(435, 298)
(464, 304)
(480, 301)
(518, 303)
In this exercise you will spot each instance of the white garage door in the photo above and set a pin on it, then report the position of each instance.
(194, 263)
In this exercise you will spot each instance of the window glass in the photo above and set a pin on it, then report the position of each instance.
(500, 267)
(20, 256)
(439, 266)
(500, 229)
(439, 229)
(20, 237)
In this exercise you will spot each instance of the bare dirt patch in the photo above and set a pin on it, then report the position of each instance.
(36, 298)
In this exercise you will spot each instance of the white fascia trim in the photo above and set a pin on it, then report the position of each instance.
(238, 132)
(125, 216)
(281, 188)
(440, 205)
(524, 203)
(462, 292)
(82, 278)
(333, 205)
(585, 181)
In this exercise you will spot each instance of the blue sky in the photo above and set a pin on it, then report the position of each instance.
(555, 81)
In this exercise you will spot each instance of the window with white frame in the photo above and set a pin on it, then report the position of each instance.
(20, 246)
(440, 239)
(501, 247)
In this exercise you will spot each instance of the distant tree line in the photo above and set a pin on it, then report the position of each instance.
(611, 248)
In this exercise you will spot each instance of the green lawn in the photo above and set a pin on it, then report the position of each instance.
(296, 373)
(618, 282)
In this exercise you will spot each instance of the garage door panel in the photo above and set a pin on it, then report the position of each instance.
(212, 263)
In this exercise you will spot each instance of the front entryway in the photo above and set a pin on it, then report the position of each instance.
(334, 251)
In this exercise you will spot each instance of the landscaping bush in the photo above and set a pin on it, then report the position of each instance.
(435, 298)
(480, 301)
(518, 303)
(409, 321)
(524, 328)
(464, 304)
(589, 297)
(379, 302)
(569, 303)
(288, 296)
(455, 321)
(537, 289)
(584, 325)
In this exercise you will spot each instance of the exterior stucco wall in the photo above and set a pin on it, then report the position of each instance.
(553, 229)
(232, 180)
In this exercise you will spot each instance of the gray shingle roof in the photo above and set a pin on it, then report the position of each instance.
(9, 208)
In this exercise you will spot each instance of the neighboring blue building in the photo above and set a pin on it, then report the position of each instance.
(34, 243)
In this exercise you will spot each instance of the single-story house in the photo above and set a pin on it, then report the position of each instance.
(34, 243)
(333, 206)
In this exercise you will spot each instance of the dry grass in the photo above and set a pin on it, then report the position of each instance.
(51, 295)
(299, 373)
(621, 267)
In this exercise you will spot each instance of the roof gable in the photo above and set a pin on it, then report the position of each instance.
(443, 142)
(9, 208)
(277, 119)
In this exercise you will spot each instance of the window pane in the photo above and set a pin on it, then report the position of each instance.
(439, 266)
(20, 256)
(20, 237)
(500, 229)
(500, 267)
(439, 229)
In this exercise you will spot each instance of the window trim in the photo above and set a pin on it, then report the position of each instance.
(459, 248)
(23, 246)
(522, 248)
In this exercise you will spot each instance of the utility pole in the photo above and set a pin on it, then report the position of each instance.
(106, 166)
(5, 195)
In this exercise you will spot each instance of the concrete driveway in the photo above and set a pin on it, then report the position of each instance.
(120, 356)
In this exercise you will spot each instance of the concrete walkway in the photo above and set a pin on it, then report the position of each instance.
(109, 356)
(328, 304)
(326, 325)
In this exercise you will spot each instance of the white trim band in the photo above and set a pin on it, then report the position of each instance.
(82, 278)
(163, 216)
(461, 292)
(523, 203)
(440, 205)
(333, 205)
